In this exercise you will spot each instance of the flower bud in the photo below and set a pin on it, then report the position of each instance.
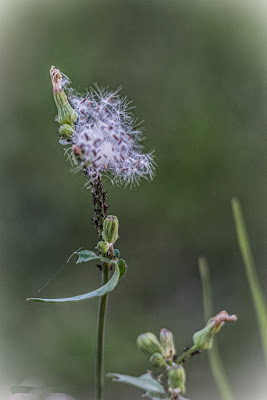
(148, 344)
(157, 360)
(65, 131)
(102, 247)
(176, 378)
(166, 340)
(66, 114)
(203, 339)
(110, 229)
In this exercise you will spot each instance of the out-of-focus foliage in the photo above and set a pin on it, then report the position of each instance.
(196, 73)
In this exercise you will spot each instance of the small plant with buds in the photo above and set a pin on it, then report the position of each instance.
(103, 139)
(166, 378)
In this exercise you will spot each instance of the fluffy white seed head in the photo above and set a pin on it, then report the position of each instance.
(106, 138)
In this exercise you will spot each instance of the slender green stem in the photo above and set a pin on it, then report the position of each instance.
(216, 365)
(100, 337)
(253, 280)
(186, 354)
(206, 288)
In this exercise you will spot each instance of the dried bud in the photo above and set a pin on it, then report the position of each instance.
(166, 340)
(102, 247)
(66, 114)
(157, 360)
(65, 131)
(203, 338)
(110, 229)
(148, 344)
(176, 378)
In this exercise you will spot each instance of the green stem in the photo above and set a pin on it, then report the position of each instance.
(253, 280)
(100, 337)
(216, 365)
(186, 354)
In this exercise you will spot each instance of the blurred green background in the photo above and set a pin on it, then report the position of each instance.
(196, 71)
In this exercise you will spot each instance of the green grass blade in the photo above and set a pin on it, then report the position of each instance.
(253, 280)
(216, 365)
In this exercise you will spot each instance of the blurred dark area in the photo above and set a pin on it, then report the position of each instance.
(196, 72)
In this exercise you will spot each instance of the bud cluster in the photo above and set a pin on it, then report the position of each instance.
(157, 351)
(161, 355)
(103, 133)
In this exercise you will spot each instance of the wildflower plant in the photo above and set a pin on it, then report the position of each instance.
(102, 138)
(166, 377)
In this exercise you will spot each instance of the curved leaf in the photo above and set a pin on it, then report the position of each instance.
(122, 267)
(88, 255)
(108, 287)
(145, 382)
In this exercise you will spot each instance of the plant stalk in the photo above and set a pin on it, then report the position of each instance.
(253, 280)
(186, 354)
(216, 366)
(100, 337)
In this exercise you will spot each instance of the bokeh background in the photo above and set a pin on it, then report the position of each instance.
(196, 71)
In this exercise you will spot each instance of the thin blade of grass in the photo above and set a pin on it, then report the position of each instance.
(216, 365)
(253, 280)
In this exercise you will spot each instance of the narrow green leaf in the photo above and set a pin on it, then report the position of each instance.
(216, 365)
(145, 382)
(108, 287)
(88, 255)
(122, 267)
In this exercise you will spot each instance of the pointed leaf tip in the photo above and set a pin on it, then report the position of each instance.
(88, 255)
(108, 287)
(145, 382)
